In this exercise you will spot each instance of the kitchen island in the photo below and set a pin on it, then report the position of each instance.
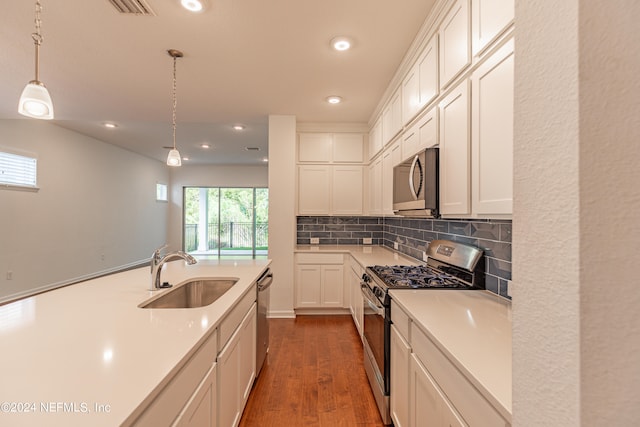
(87, 354)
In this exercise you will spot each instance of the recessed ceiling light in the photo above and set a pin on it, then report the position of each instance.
(341, 43)
(110, 125)
(238, 127)
(265, 159)
(193, 5)
(334, 99)
(185, 158)
(205, 145)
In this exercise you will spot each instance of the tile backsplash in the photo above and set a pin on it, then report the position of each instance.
(414, 235)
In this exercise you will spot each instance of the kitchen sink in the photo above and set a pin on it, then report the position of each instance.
(192, 294)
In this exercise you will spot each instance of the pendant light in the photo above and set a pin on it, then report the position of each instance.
(35, 100)
(173, 159)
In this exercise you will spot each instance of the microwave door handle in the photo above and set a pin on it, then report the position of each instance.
(412, 186)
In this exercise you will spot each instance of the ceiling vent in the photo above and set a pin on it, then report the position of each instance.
(132, 7)
(252, 148)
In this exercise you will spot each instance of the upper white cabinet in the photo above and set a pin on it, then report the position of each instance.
(314, 189)
(420, 85)
(455, 156)
(391, 156)
(423, 134)
(392, 117)
(330, 147)
(455, 49)
(375, 138)
(346, 190)
(492, 133)
(375, 187)
(489, 18)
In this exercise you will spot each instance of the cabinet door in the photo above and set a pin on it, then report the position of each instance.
(201, 408)
(428, 72)
(492, 134)
(356, 301)
(392, 117)
(314, 182)
(428, 130)
(308, 285)
(410, 142)
(375, 187)
(228, 384)
(332, 294)
(400, 369)
(489, 18)
(348, 148)
(455, 152)
(314, 147)
(375, 138)
(247, 367)
(455, 52)
(410, 94)
(390, 157)
(347, 191)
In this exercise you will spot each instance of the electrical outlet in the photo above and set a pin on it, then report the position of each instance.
(395, 245)
(9, 275)
(315, 240)
(366, 240)
(425, 258)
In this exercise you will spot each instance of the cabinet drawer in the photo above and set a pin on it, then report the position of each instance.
(233, 319)
(400, 319)
(168, 404)
(319, 258)
(468, 401)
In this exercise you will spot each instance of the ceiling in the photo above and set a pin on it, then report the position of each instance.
(243, 60)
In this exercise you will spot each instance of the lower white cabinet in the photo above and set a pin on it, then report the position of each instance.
(201, 409)
(319, 281)
(356, 302)
(237, 371)
(400, 364)
(429, 408)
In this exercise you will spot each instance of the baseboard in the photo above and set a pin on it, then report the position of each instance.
(281, 314)
(321, 311)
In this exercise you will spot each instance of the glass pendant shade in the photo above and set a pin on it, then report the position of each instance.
(35, 101)
(173, 159)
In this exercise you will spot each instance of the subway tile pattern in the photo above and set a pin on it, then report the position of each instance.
(337, 230)
(414, 235)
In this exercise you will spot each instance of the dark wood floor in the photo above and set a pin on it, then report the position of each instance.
(313, 376)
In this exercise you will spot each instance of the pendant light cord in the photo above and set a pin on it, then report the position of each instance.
(174, 102)
(37, 38)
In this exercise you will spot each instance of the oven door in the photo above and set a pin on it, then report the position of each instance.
(377, 327)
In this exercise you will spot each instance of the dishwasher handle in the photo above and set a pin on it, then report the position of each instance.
(265, 280)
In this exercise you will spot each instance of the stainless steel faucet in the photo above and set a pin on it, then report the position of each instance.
(157, 261)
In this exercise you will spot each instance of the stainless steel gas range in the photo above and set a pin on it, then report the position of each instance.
(450, 265)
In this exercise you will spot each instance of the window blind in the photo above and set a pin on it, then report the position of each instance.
(17, 170)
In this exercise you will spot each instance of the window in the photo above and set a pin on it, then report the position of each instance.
(226, 222)
(161, 192)
(17, 171)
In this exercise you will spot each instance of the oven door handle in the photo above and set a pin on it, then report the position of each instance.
(372, 300)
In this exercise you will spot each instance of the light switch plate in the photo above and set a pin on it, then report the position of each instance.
(315, 240)
(395, 245)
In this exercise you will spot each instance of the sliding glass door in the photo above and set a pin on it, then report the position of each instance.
(225, 221)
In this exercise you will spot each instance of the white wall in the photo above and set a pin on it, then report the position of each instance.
(207, 176)
(282, 222)
(95, 210)
(575, 224)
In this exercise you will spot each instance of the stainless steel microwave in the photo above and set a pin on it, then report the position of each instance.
(416, 185)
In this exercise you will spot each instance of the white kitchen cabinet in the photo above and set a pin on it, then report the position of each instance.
(201, 410)
(375, 138)
(348, 148)
(391, 156)
(429, 407)
(422, 135)
(319, 281)
(236, 371)
(314, 189)
(375, 187)
(400, 376)
(315, 147)
(454, 42)
(489, 18)
(347, 190)
(420, 85)
(455, 155)
(492, 133)
(392, 117)
(356, 302)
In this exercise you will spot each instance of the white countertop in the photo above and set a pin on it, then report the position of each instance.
(473, 329)
(365, 255)
(91, 344)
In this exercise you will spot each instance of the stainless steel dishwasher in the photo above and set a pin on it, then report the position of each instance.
(262, 344)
